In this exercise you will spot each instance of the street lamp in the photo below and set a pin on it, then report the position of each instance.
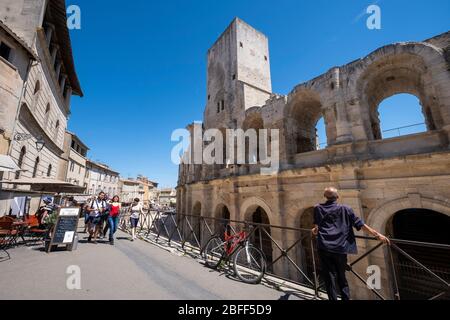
(40, 143)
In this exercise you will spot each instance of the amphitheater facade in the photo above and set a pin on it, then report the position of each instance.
(400, 185)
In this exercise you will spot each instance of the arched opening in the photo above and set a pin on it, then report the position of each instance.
(252, 148)
(36, 166)
(223, 223)
(305, 253)
(304, 123)
(321, 134)
(401, 115)
(23, 151)
(421, 225)
(196, 222)
(401, 73)
(261, 237)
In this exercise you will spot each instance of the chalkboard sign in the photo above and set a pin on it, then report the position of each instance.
(65, 227)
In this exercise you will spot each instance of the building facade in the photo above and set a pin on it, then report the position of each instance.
(384, 180)
(131, 189)
(35, 137)
(73, 162)
(168, 197)
(100, 177)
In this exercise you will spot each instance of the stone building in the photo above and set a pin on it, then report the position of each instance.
(396, 185)
(73, 161)
(100, 177)
(36, 104)
(148, 187)
(16, 58)
(168, 197)
(131, 189)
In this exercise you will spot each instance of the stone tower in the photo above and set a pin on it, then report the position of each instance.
(238, 75)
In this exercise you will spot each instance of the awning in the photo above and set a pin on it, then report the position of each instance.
(47, 185)
(7, 164)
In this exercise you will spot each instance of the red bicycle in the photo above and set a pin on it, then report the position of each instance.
(249, 262)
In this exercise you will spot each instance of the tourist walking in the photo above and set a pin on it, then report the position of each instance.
(86, 213)
(333, 226)
(96, 208)
(113, 218)
(136, 210)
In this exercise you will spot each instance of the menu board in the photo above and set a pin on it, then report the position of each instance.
(65, 227)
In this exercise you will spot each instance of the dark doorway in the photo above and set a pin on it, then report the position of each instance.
(261, 238)
(421, 225)
(223, 224)
(305, 251)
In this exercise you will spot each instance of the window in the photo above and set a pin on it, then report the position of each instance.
(79, 170)
(241, 44)
(49, 170)
(234, 77)
(222, 104)
(265, 58)
(390, 125)
(5, 51)
(47, 114)
(23, 151)
(72, 145)
(72, 166)
(35, 169)
(218, 107)
(56, 129)
(37, 87)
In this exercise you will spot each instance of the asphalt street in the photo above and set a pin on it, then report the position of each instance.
(127, 270)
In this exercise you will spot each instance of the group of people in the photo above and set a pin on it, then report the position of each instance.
(102, 214)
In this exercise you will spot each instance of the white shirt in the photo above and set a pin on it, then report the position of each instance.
(136, 210)
(97, 205)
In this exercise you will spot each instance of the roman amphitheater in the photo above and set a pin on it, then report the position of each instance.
(399, 185)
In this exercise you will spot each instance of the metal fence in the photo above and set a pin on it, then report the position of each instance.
(292, 255)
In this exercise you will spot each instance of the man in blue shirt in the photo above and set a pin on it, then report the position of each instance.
(333, 226)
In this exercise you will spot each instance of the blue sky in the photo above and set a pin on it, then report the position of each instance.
(142, 64)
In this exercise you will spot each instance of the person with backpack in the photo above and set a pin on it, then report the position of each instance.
(136, 210)
(97, 208)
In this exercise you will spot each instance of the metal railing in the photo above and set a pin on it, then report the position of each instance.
(292, 254)
(399, 132)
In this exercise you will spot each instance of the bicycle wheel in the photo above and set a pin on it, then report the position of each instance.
(249, 264)
(214, 252)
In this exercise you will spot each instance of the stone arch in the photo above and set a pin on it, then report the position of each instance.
(402, 68)
(255, 210)
(302, 113)
(253, 120)
(250, 204)
(304, 252)
(378, 218)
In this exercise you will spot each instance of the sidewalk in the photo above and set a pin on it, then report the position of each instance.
(128, 270)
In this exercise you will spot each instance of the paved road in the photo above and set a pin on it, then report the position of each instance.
(128, 270)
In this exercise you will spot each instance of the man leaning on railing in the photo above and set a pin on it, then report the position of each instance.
(333, 226)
